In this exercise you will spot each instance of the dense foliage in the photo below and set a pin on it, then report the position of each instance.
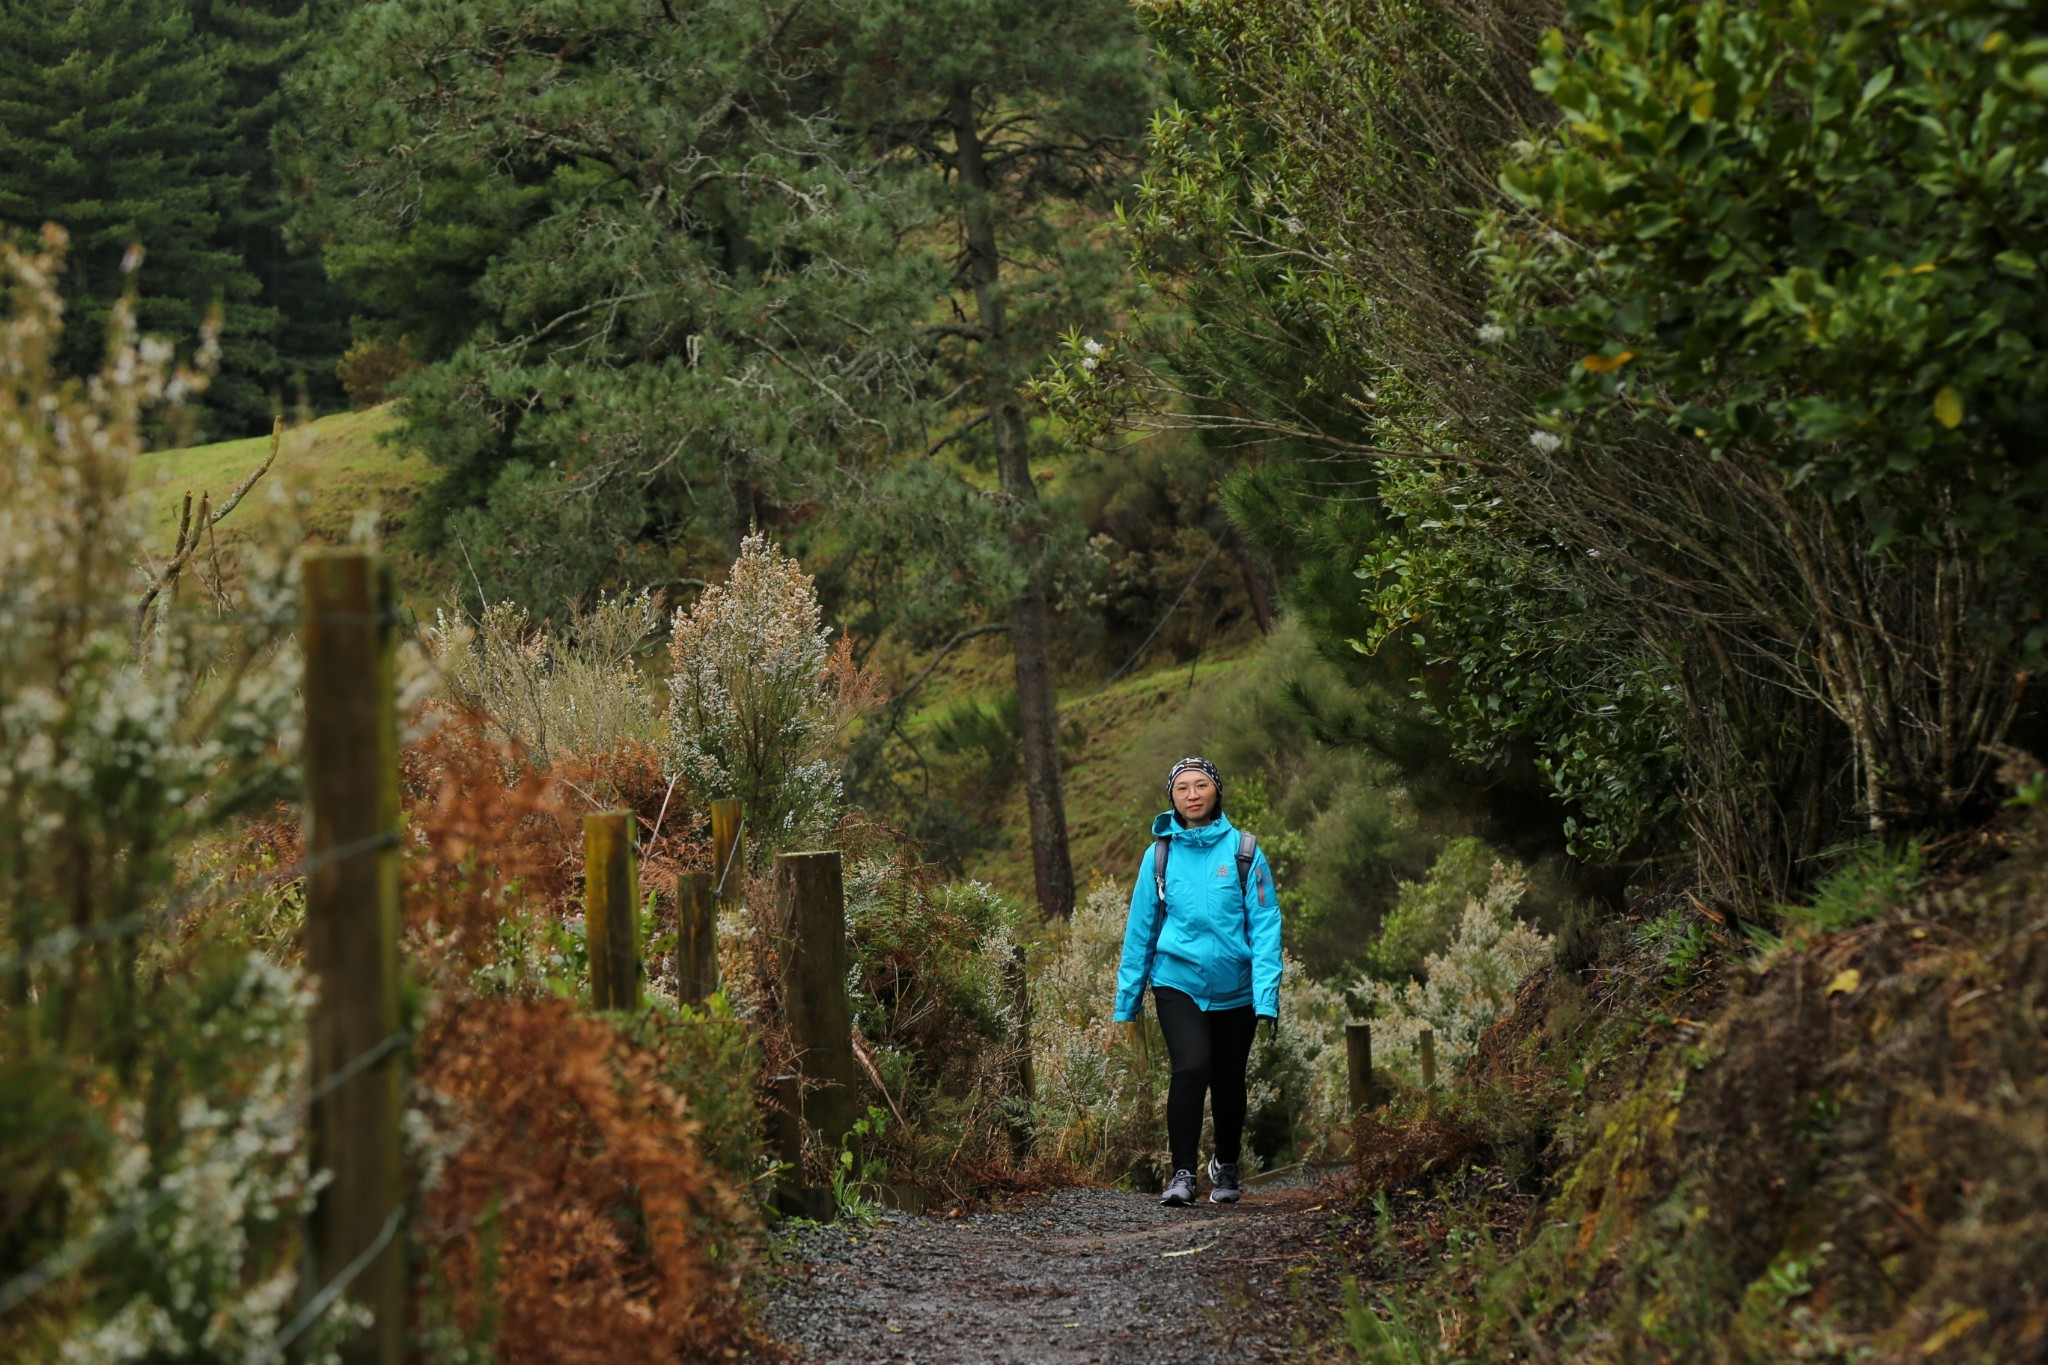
(1699, 472)
(147, 124)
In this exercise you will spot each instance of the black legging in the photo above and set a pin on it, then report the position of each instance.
(1210, 1049)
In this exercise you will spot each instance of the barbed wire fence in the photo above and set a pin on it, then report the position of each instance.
(353, 1244)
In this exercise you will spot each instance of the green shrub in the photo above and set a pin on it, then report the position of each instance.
(1466, 987)
(710, 1057)
(1868, 882)
(1426, 913)
(934, 989)
(759, 697)
(1679, 939)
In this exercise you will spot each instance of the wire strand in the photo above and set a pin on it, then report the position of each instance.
(69, 940)
(739, 837)
(317, 1306)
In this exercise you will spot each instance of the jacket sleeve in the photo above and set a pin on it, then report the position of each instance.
(1262, 915)
(1141, 941)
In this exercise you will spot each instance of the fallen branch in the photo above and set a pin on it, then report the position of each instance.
(867, 1064)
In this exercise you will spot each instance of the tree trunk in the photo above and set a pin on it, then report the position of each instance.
(1257, 588)
(1038, 719)
(746, 508)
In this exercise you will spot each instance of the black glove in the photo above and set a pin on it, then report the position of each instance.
(1272, 1027)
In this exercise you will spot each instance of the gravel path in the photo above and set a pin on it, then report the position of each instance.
(1077, 1275)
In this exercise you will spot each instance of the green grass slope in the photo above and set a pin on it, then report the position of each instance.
(1111, 778)
(331, 471)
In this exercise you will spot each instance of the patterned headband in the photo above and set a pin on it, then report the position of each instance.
(1195, 765)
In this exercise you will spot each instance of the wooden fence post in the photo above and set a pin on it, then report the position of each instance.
(1358, 1067)
(810, 922)
(611, 910)
(1428, 1060)
(728, 853)
(696, 939)
(347, 630)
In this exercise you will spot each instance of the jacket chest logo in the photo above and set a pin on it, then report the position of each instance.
(1223, 872)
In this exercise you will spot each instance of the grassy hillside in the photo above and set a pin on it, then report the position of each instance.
(1111, 778)
(332, 470)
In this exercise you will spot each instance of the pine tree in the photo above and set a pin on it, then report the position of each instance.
(1028, 115)
(661, 292)
(114, 119)
(258, 42)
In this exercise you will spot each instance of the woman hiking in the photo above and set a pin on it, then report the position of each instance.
(1204, 933)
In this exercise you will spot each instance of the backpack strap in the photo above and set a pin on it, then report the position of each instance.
(1159, 867)
(1247, 849)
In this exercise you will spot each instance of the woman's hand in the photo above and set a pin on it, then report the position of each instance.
(1131, 1030)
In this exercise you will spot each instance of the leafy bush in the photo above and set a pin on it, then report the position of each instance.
(935, 991)
(758, 696)
(1426, 913)
(370, 369)
(1100, 1105)
(1466, 987)
(1787, 263)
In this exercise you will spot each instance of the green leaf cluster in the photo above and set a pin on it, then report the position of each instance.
(1806, 230)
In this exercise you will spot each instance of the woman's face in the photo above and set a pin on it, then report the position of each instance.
(1194, 797)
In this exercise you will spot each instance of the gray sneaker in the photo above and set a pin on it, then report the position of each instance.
(1180, 1191)
(1223, 1186)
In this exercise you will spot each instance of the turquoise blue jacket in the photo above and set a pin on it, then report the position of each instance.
(1222, 949)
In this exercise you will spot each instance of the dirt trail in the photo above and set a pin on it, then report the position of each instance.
(1077, 1275)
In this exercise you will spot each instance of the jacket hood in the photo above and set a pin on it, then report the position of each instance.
(1165, 825)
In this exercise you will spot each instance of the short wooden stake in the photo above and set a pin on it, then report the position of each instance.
(1358, 1066)
(1025, 1077)
(728, 853)
(696, 939)
(346, 632)
(810, 923)
(1428, 1060)
(611, 910)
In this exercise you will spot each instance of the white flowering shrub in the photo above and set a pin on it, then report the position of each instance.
(759, 698)
(1466, 988)
(1101, 1098)
(207, 1273)
(576, 694)
(148, 1149)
